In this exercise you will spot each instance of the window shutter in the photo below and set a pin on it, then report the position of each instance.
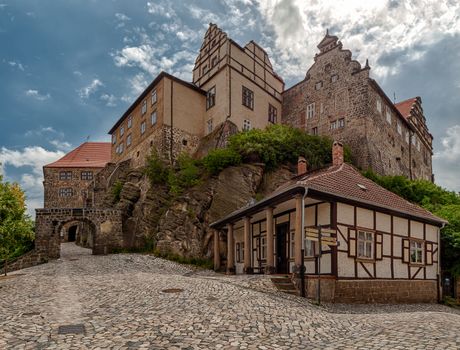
(378, 246)
(351, 243)
(429, 253)
(406, 251)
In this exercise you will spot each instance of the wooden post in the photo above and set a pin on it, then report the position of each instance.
(270, 243)
(298, 232)
(247, 245)
(216, 251)
(230, 250)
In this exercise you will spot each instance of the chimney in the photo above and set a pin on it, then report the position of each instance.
(301, 166)
(337, 153)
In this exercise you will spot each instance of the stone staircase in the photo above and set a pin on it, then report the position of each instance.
(284, 284)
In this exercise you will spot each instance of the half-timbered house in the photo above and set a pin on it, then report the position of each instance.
(365, 243)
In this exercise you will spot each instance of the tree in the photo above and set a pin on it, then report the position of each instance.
(16, 228)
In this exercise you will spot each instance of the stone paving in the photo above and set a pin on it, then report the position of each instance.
(122, 303)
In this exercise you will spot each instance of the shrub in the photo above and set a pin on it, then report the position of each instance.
(116, 190)
(199, 262)
(155, 169)
(221, 158)
(187, 174)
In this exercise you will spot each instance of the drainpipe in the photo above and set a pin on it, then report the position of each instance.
(302, 266)
(439, 284)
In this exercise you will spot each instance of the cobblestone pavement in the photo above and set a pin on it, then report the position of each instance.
(121, 302)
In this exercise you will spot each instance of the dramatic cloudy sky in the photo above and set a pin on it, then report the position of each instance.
(68, 69)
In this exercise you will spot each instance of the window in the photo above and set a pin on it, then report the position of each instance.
(153, 117)
(398, 126)
(418, 144)
(407, 137)
(272, 114)
(248, 98)
(144, 107)
(65, 192)
(314, 131)
(311, 110)
(246, 125)
(128, 140)
(341, 123)
(211, 97)
(86, 175)
(414, 140)
(379, 105)
(122, 131)
(365, 245)
(120, 149)
(263, 247)
(214, 61)
(309, 248)
(416, 252)
(318, 85)
(240, 252)
(142, 127)
(204, 69)
(65, 175)
(114, 139)
(388, 114)
(334, 78)
(333, 125)
(209, 125)
(154, 97)
(130, 122)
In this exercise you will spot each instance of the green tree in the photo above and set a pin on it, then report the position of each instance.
(16, 228)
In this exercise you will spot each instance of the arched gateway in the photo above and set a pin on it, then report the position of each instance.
(103, 229)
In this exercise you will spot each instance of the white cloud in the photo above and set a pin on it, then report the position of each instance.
(78, 73)
(137, 84)
(446, 162)
(122, 17)
(37, 95)
(142, 56)
(109, 99)
(43, 130)
(372, 29)
(88, 90)
(162, 8)
(16, 64)
(33, 159)
(61, 145)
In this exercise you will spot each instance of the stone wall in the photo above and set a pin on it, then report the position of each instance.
(385, 291)
(348, 106)
(52, 185)
(32, 258)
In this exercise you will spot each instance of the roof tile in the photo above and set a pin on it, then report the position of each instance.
(87, 155)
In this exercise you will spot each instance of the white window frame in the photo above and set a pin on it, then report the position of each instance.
(153, 117)
(128, 140)
(341, 123)
(388, 116)
(246, 125)
(263, 247)
(379, 105)
(143, 128)
(86, 175)
(144, 107)
(333, 125)
(154, 97)
(66, 192)
(416, 252)
(365, 242)
(122, 131)
(407, 137)
(121, 147)
(114, 139)
(310, 248)
(311, 110)
(130, 122)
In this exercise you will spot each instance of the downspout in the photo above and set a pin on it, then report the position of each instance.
(171, 131)
(439, 284)
(302, 265)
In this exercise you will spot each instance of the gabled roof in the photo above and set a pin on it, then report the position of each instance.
(327, 40)
(342, 183)
(405, 107)
(87, 155)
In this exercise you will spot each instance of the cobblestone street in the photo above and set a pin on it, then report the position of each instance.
(130, 301)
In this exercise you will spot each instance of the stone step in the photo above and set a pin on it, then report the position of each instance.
(284, 284)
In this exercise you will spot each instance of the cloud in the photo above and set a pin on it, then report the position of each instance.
(16, 65)
(30, 161)
(137, 84)
(42, 131)
(122, 17)
(447, 160)
(110, 100)
(88, 90)
(61, 145)
(161, 8)
(142, 56)
(370, 29)
(37, 95)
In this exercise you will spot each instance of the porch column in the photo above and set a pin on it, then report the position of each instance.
(216, 251)
(247, 245)
(298, 232)
(230, 250)
(270, 244)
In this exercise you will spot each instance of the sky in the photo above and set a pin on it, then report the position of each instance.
(69, 69)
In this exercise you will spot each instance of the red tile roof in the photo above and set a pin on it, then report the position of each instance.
(340, 182)
(87, 155)
(404, 107)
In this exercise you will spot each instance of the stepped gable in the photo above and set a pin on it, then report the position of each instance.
(87, 155)
(405, 107)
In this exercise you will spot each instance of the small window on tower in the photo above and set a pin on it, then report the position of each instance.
(272, 114)
(310, 110)
(130, 122)
(318, 85)
(341, 123)
(144, 107)
(211, 97)
(314, 131)
(154, 97)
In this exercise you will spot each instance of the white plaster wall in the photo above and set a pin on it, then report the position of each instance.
(383, 268)
(310, 267)
(400, 269)
(383, 222)
(386, 244)
(310, 216)
(346, 265)
(362, 273)
(431, 271)
(345, 214)
(343, 245)
(324, 214)
(431, 233)
(416, 229)
(400, 226)
(326, 263)
(397, 246)
(364, 218)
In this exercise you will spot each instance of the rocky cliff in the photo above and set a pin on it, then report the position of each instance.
(180, 224)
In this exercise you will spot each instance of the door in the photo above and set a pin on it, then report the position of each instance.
(282, 265)
(72, 234)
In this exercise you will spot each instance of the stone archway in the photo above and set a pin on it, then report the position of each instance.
(104, 225)
(81, 231)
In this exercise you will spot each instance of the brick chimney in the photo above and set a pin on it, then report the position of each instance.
(301, 166)
(337, 153)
